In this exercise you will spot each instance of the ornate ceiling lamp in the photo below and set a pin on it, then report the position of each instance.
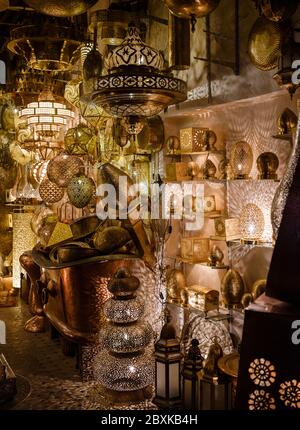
(110, 24)
(135, 86)
(191, 8)
(61, 8)
(46, 47)
(46, 117)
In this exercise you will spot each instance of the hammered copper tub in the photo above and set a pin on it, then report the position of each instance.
(74, 293)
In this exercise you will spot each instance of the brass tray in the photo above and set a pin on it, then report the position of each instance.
(264, 43)
(229, 364)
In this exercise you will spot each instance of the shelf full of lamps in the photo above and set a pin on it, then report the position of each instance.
(227, 233)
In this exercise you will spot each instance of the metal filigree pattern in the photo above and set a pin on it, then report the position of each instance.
(290, 393)
(81, 190)
(262, 372)
(260, 400)
(134, 52)
(124, 311)
(150, 93)
(125, 373)
(128, 338)
(205, 330)
(260, 193)
(50, 192)
(62, 168)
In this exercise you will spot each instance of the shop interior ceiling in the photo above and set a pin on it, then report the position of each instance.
(154, 14)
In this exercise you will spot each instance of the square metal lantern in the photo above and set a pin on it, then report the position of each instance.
(195, 249)
(194, 139)
(227, 228)
(167, 373)
(215, 392)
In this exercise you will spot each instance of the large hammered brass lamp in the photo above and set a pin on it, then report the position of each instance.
(135, 84)
(61, 8)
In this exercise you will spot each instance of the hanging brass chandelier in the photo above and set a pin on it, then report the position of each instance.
(191, 8)
(46, 117)
(135, 85)
(61, 8)
(46, 47)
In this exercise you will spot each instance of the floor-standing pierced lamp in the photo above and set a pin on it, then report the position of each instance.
(190, 377)
(167, 368)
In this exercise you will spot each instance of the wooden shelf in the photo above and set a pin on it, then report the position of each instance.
(221, 315)
(201, 181)
(205, 264)
(217, 152)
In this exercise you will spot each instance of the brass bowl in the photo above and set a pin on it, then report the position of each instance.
(264, 44)
(61, 8)
(188, 8)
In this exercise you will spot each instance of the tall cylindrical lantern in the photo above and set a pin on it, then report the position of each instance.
(179, 43)
(190, 376)
(167, 367)
(23, 240)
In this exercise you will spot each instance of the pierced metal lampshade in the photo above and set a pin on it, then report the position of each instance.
(264, 43)
(134, 86)
(241, 160)
(80, 140)
(47, 47)
(61, 8)
(45, 116)
(252, 223)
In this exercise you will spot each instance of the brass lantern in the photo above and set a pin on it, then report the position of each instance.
(241, 160)
(267, 164)
(167, 367)
(215, 386)
(190, 376)
(252, 224)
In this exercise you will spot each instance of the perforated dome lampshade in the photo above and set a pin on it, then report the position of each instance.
(47, 117)
(241, 160)
(252, 223)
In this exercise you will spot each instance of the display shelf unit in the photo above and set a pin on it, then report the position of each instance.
(221, 315)
(183, 154)
(254, 121)
(204, 264)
